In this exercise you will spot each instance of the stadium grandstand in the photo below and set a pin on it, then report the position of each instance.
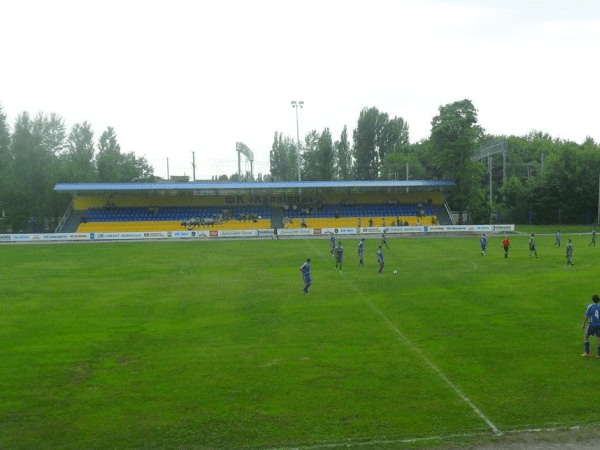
(163, 206)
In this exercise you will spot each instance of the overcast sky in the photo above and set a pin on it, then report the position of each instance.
(182, 76)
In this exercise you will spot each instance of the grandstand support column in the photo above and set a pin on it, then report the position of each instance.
(297, 105)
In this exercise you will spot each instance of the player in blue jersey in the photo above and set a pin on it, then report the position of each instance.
(483, 242)
(361, 253)
(380, 259)
(332, 244)
(339, 255)
(306, 277)
(591, 325)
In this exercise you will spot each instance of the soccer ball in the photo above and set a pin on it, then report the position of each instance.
(395, 272)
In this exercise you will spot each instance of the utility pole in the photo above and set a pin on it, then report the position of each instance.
(193, 166)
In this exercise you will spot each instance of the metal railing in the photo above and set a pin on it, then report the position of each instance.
(63, 220)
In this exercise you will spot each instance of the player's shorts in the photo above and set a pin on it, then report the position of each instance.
(593, 330)
(307, 279)
(532, 247)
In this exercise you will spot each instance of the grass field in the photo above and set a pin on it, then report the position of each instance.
(212, 344)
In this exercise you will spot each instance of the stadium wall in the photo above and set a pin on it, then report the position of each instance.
(418, 231)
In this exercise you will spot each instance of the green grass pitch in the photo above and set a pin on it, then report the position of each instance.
(212, 344)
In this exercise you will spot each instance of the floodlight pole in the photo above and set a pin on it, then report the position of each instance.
(297, 105)
(193, 166)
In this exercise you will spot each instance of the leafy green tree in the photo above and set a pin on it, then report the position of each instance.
(375, 136)
(365, 152)
(78, 160)
(283, 158)
(454, 143)
(402, 166)
(109, 158)
(49, 136)
(114, 166)
(310, 156)
(25, 202)
(344, 156)
(33, 148)
(6, 171)
(571, 180)
(319, 156)
(526, 154)
(136, 168)
(51, 132)
(326, 167)
(393, 137)
(427, 159)
(513, 193)
(401, 160)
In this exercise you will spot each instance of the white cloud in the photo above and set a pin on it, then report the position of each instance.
(197, 76)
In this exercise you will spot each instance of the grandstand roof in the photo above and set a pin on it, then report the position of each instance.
(211, 187)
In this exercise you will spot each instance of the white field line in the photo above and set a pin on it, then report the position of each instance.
(427, 361)
(377, 442)
(435, 368)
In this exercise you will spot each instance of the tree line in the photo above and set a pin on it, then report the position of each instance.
(534, 179)
(39, 152)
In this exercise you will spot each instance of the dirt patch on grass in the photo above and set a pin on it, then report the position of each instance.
(578, 438)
